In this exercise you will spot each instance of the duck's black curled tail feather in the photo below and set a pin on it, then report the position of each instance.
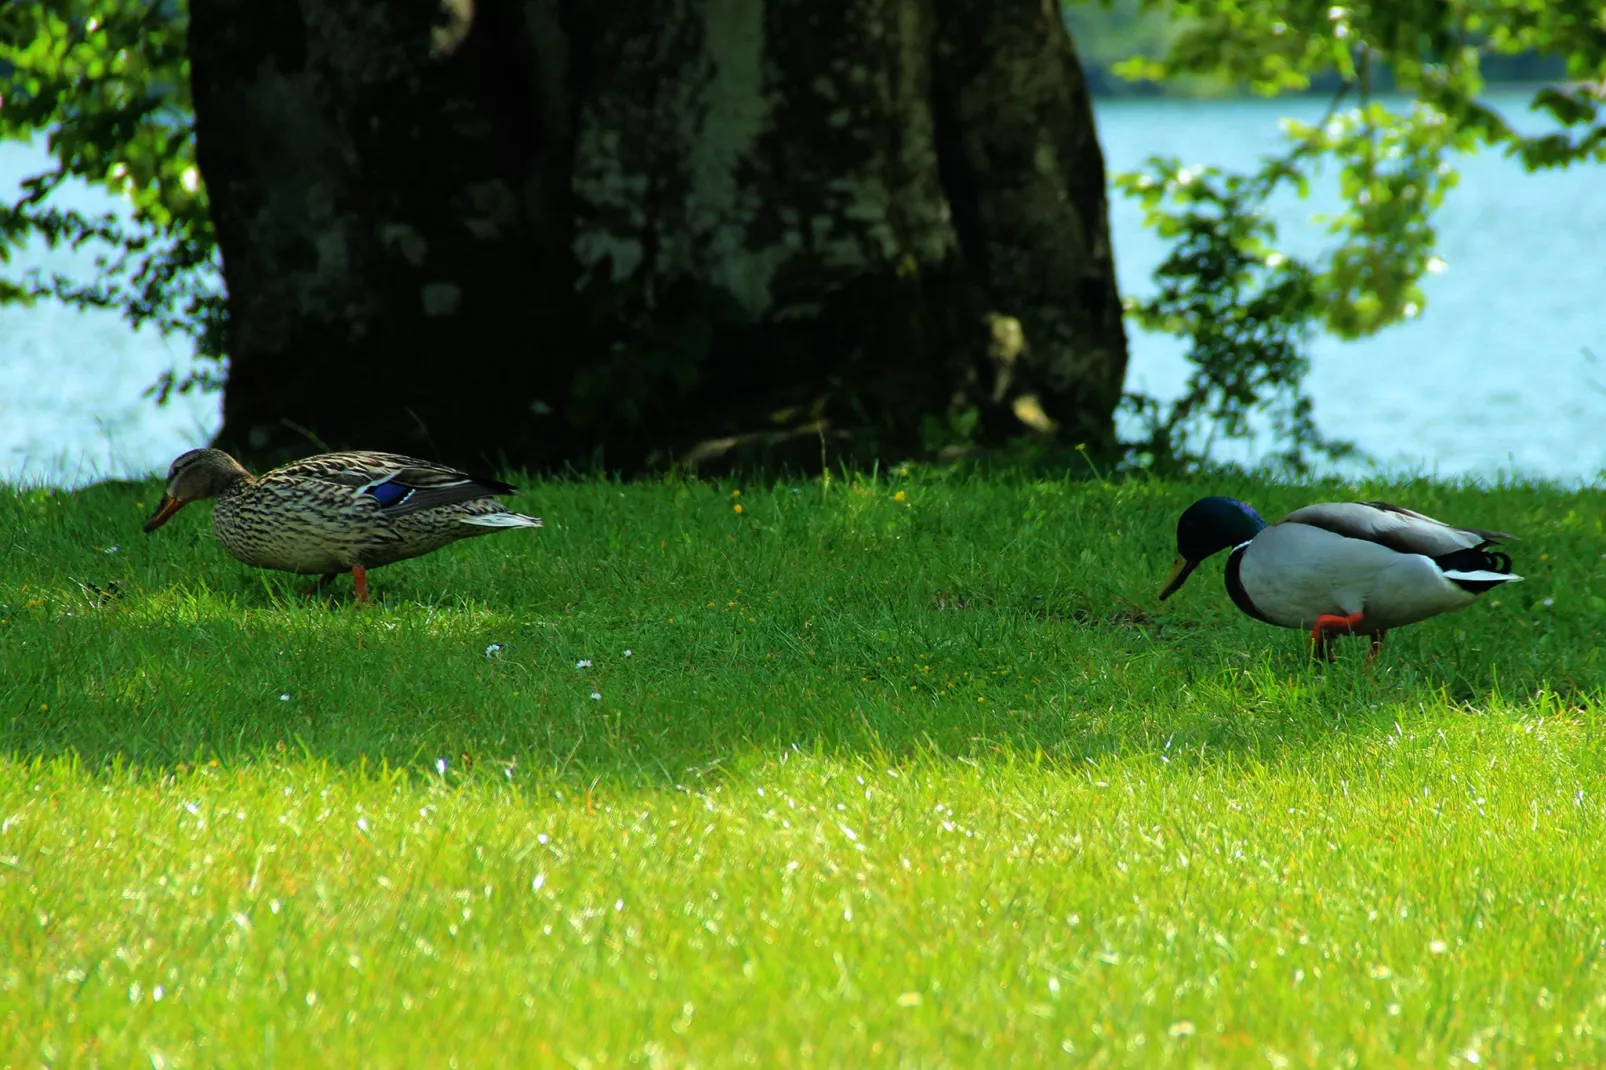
(1474, 560)
(1476, 570)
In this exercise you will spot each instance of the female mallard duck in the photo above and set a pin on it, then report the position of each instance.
(336, 512)
(1359, 567)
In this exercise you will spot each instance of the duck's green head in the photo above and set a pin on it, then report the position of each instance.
(1206, 527)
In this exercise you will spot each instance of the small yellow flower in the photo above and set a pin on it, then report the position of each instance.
(44, 706)
(900, 496)
(736, 494)
(736, 508)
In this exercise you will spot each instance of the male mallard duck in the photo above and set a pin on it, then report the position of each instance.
(336, 512)
(1360, 567)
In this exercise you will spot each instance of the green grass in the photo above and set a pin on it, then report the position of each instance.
(923, 780)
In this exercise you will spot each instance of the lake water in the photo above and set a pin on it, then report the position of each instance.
(1497, 376)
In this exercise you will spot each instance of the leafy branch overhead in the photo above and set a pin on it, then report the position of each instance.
(1246, 307)
(106, 83)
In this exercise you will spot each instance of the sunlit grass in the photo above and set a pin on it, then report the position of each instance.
(925, 779)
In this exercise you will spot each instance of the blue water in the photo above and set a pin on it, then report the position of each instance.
(71, 409)
(1495, 377)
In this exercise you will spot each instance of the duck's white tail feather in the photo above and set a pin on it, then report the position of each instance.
(1481, 576)
(502, 520)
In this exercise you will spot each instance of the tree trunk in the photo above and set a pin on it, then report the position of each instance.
(642, 231)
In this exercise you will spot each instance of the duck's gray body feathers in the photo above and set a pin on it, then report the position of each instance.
(1393, 565)
(1392, 526)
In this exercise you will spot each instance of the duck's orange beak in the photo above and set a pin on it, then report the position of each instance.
(164, 512)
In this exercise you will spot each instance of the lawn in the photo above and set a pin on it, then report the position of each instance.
(909, 770)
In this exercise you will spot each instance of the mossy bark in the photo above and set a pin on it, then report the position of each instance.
(639, 231)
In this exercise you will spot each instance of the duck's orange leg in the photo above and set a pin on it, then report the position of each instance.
(1326, 627)
(359, 576)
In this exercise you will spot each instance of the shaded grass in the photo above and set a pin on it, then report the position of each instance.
(910, 770)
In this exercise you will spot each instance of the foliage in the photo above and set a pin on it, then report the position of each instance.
(1108, 33)
(1394, 163)
(1245, 308)
(902, 763)
(107, 83)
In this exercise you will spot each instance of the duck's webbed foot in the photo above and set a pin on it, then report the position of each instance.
(1327, 627)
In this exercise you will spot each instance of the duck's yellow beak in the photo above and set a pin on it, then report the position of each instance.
(1181, 569)
(164, 512)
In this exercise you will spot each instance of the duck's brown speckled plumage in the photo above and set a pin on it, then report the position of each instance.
(337, 512)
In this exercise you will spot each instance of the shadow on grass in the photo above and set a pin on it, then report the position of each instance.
(988, 622)
(179, 678)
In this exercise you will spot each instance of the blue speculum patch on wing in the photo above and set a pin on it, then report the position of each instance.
(389, 494)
